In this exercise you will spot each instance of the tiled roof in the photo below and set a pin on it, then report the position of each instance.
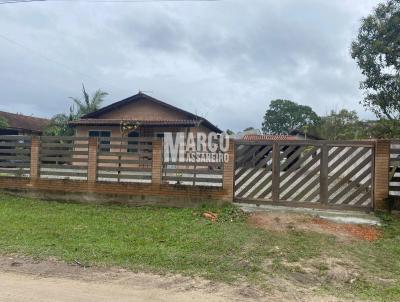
(142, 96)
(268, 137)
(24, 122)
(117, 122)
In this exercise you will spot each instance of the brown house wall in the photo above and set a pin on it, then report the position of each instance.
(144, 110)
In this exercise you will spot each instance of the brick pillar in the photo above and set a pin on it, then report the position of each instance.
(156, 164)
(35, 164)
(92, 160)
(381, 179)
(228, 183)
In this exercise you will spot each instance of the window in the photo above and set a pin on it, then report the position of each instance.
(96, 133)
(159, 134)
(133, 146)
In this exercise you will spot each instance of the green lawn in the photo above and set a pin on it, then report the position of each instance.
(181, 240)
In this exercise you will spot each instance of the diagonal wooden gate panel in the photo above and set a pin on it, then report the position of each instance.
(351, 176)
(305, 173)
(297, 179)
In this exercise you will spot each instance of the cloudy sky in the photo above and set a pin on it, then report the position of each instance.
(224, 60)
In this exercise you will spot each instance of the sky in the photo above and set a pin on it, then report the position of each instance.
(224, 60)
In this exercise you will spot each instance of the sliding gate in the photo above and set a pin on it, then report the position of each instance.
(305, 173)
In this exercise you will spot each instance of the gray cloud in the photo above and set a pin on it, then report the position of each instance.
(225, 60)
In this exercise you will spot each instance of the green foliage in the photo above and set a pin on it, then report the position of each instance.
(229, 132)
(249, 128)
(341, 125)
(377, 52)
(284, 115)
(59, 125)
(89, 104)
(3, 122)
(383, 128)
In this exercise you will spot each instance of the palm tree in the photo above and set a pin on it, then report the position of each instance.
(88, 105)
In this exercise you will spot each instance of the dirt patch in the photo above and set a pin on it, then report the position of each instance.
(282, 222)
(365, 232)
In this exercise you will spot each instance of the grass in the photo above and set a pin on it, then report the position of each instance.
(181, 240)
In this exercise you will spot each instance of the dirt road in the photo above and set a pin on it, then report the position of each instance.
(20, 288)
(25, 279)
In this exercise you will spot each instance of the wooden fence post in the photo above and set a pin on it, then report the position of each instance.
(156, 162)
(92, 160)
(275, 172)
(35, 163)
(323, 185)
(381, 173)
(228, 181)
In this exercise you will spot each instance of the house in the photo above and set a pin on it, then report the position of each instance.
(241, 134)
(269, 137)
(18, 124)
(293, 136)
(301, 135)
(140, 116)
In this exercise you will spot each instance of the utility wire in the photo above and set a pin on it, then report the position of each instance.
(103, 1)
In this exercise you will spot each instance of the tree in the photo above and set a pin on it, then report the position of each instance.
(382, 128)
(88, 104)
(3, 122)
(341, 125)
(377, 52)
(59, 125)
(284, 115)
(229, 132)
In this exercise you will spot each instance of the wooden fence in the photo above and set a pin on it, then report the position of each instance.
(344, 174)
(194, 170)
(305, 173)
(15, 154)
(64, 157)
(193, 174)
(124, 159)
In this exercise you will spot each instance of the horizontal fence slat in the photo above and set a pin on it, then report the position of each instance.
(63, 145)
(198, 164)
(63, 138)
(194, 171)
(125, 154)
(123, 176)
(2, 169)
(127, 139)
(14, 144)
(195, 179)
(14, 137)
(58, 166)
(15, 151)
(136, 145)
(63, 159)
(62, 173)
(14, 157)
(125, 169)
(124, 161)
(16, 164)
(47, 152)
